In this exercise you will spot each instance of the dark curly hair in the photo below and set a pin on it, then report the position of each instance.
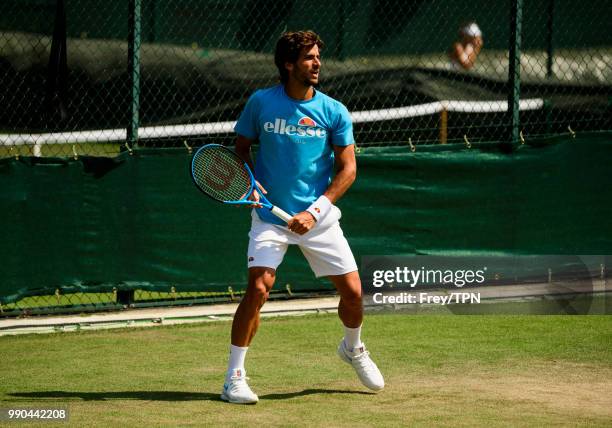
(289, 46)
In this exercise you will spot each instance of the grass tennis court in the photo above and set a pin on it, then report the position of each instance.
(440, 369)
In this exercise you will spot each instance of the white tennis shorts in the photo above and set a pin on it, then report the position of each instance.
(324, 246)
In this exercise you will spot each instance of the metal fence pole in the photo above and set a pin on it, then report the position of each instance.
(514, 71)
(134, 70)
(549, 38)
(340, 48)
(57, 72)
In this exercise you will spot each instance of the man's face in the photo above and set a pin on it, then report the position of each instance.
(475, 41)
(306, 68)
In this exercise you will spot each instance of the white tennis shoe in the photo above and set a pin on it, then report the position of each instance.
(367, 371)
(237, 390)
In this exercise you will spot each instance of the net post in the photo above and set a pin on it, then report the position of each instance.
(134, 33)
(443, 126)
(514, 72)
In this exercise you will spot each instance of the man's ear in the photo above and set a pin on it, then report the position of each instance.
(289, 66)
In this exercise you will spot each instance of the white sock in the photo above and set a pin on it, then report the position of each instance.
(236, 359)
(352, 337)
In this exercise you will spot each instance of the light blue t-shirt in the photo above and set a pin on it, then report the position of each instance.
(295, 158)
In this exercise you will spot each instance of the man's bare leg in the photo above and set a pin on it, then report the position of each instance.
(351, 349)
(246, 318)
(350, 308)
(244, 327)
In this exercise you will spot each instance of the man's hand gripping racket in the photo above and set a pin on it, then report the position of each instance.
(222, 175)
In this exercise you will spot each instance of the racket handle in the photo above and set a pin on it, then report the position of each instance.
(281, 214)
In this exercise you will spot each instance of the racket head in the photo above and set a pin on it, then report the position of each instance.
(221, 174)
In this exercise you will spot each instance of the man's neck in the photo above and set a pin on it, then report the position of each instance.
(298, 91)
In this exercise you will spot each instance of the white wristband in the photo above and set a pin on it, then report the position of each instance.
(320, 208)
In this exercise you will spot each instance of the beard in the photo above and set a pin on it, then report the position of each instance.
(310, 81)
(306, 79)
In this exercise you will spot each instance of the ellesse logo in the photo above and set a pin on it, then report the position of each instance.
(306, 121)
(306, 127)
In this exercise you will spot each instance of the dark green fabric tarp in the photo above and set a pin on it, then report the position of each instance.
(137, 221)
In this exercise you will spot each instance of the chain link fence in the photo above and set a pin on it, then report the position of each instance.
(94, 77)
(63, 301)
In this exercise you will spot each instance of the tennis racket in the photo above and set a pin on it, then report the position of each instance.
(222, 175)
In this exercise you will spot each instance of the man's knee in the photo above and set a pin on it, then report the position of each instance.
(349, 288)
(261, 281)
(352, 299)
(259, 292)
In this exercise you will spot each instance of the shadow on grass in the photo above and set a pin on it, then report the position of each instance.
(285, 396)
(118, 395)
(162, 395)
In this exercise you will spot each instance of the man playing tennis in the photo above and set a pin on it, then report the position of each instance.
(302, 133)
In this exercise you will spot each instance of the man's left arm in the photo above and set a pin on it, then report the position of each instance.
(346, 172)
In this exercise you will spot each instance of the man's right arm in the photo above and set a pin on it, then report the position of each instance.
(243, 149)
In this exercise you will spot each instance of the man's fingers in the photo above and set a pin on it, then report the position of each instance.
(251, 205)
(293, 225)
(259, 186)
(297, 225)
(254, 198)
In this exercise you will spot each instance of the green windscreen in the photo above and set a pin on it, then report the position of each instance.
(137, 221)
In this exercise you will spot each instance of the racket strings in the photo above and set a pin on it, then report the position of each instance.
(221, 174)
